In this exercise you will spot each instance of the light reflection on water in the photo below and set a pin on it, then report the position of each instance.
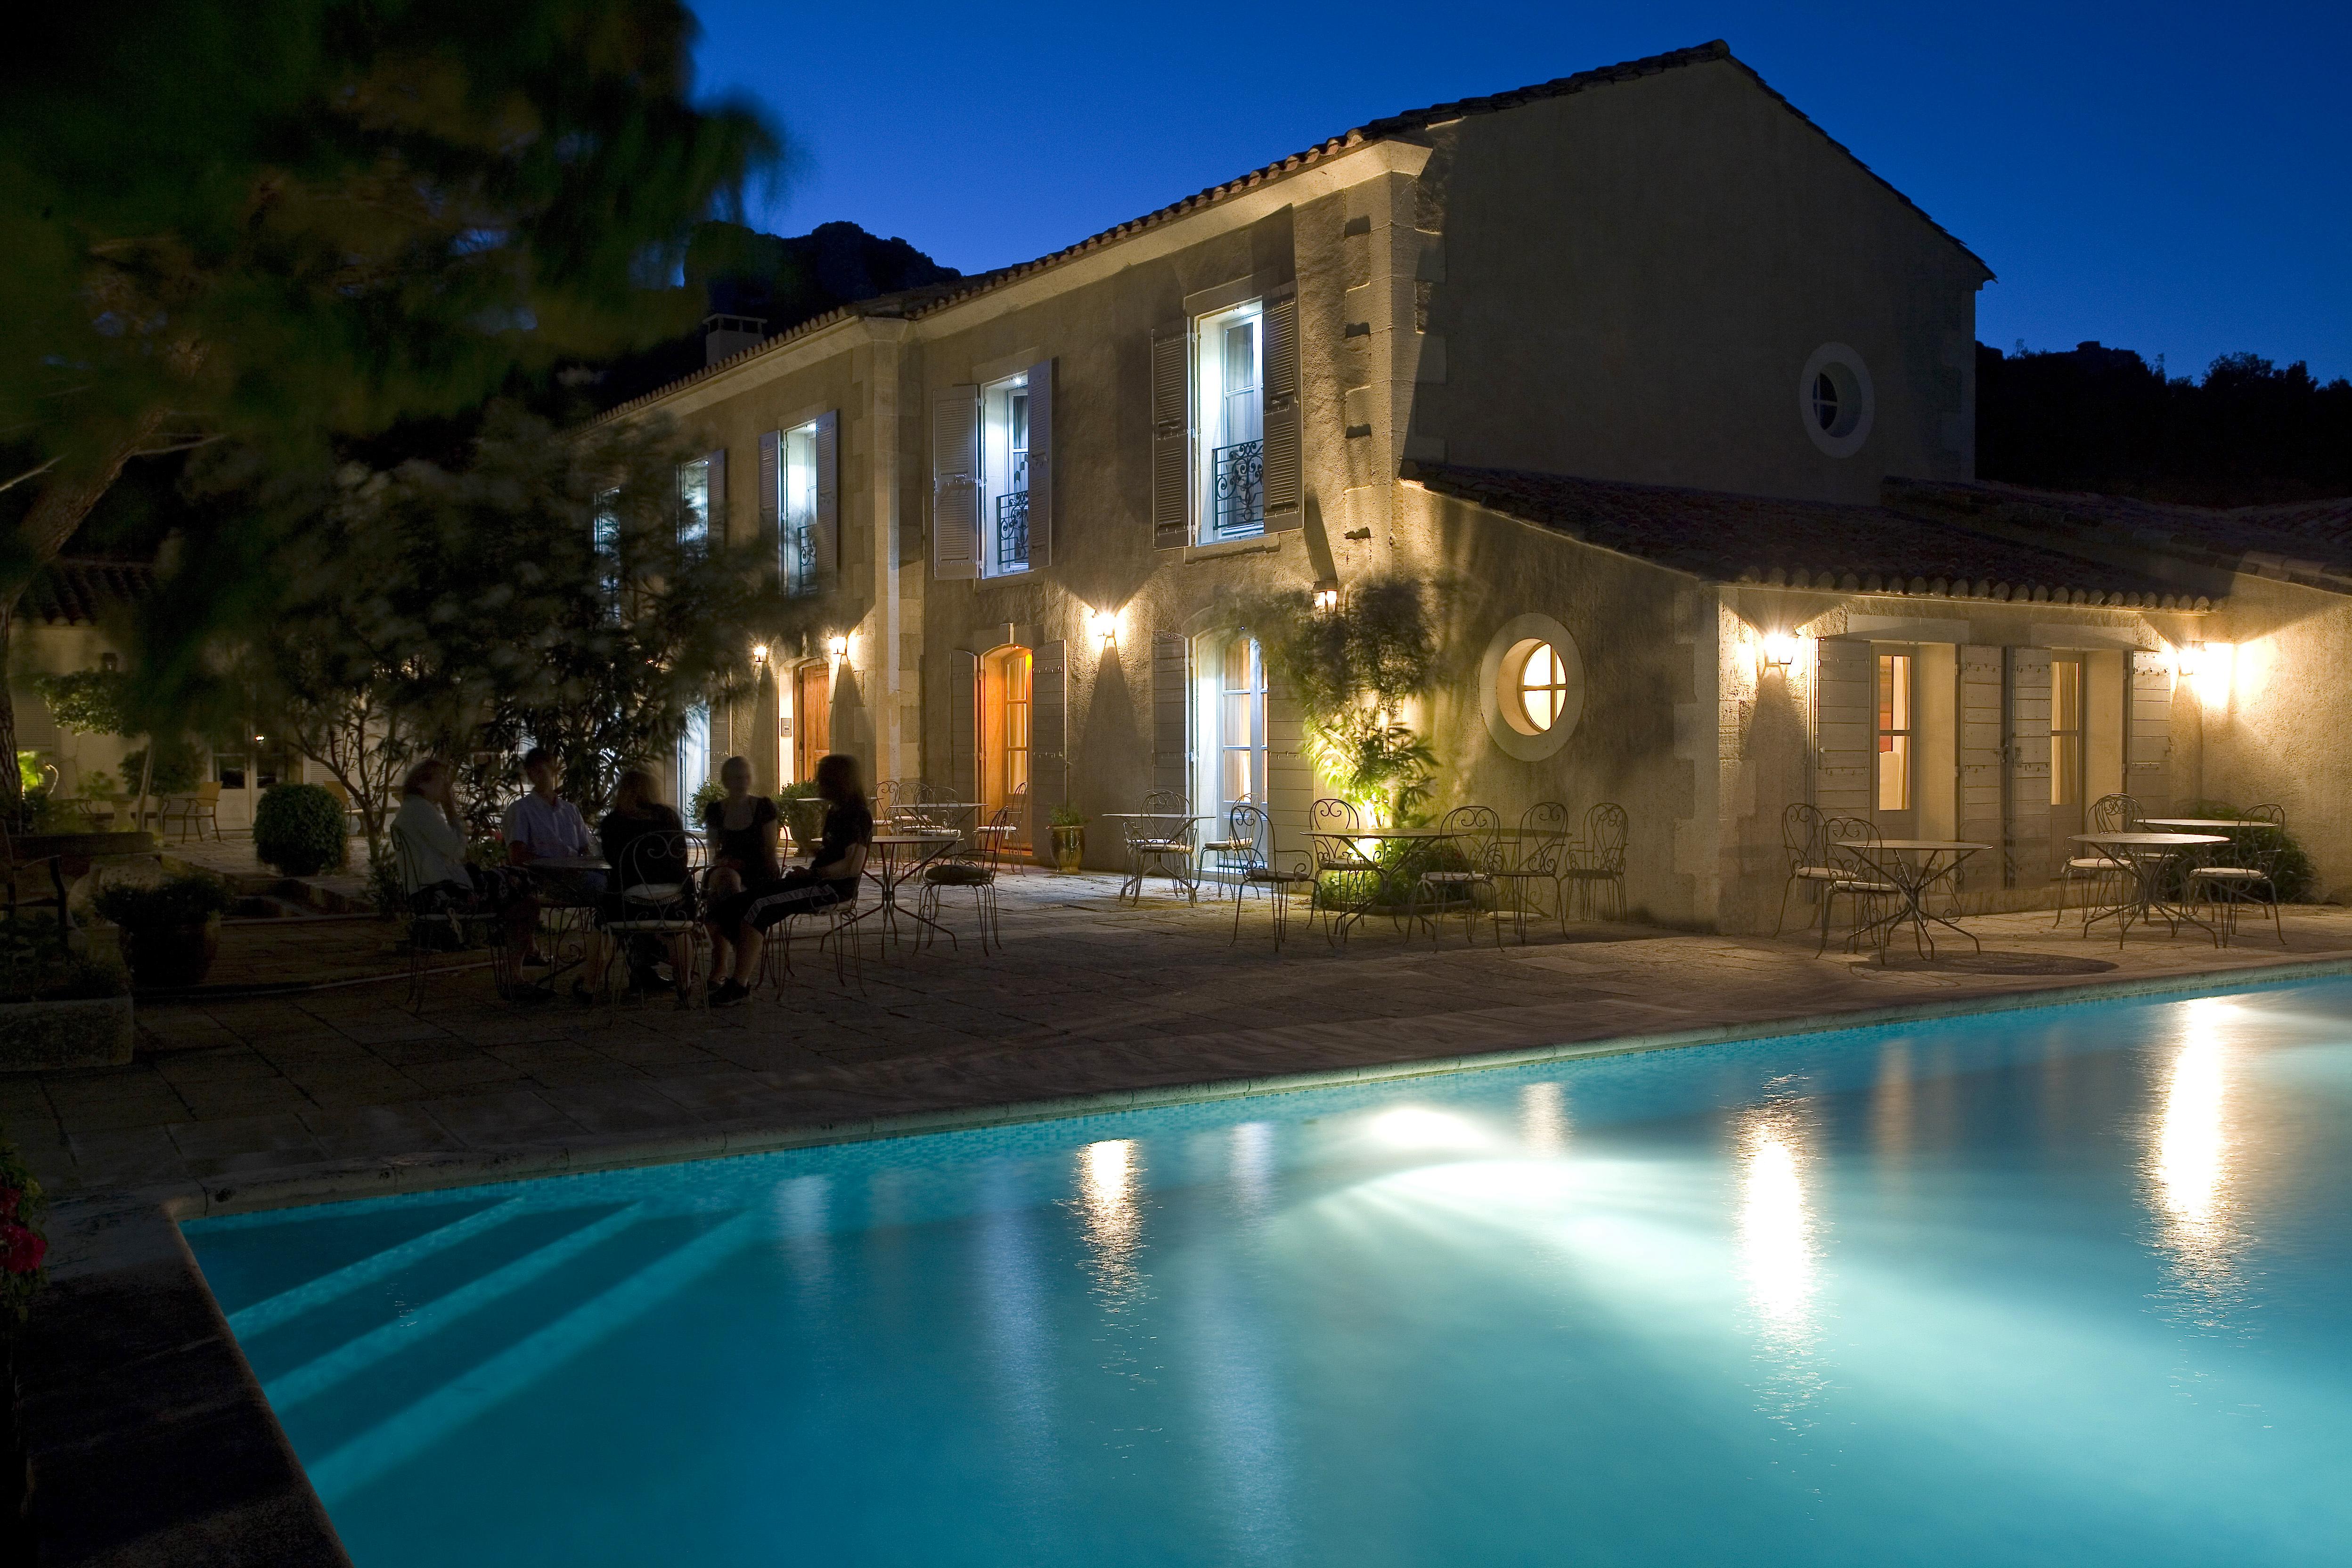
(2191, 1168)
(1543, 1117)
(1779, 1255)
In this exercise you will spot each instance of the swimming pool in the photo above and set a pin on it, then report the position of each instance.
(2066, 1286)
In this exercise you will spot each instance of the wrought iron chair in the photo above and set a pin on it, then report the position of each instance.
(1232, 856)
(974, 865)
(1542, 853)
(835, 926)
(2108, 814)
(1169, 852)
(1596, 863)
(1809, 867)
(436, 924)
(1268, 870)
(1467, 855)
(1856, 882)
(2245, 873)
(655, 887)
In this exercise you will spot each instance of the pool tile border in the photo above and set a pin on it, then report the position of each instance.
(148, 1439)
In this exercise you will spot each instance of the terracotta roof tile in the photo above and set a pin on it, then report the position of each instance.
(1726, 538)
(74, 591)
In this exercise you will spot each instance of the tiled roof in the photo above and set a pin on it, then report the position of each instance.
(1411, 125)
(74, 591)
(2306, 542)
(1728, 538)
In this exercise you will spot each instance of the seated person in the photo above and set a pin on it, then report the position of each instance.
(742, 830)
(542, 825)
(742, 919)
(645, 842)
(429, 844)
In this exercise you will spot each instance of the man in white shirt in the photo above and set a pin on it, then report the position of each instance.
(544, 826)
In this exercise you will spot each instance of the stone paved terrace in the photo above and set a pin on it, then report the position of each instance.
(1088, 996)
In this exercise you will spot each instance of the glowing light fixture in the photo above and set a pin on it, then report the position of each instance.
(1103, 626)
(758, 655)
(837, 645)
(1326, 597)
(1780, 649)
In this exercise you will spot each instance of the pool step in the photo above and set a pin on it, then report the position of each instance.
(287, 1305)
(416, 1427)
(315, 1377)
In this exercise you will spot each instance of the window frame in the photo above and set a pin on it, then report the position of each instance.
(694, 517)
(1894, 726)
(1211, 436)
(1005, 472)
(796, 536)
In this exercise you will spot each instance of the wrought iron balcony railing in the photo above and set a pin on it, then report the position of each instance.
(1239, 474)
(1012, 531)
(800, 547)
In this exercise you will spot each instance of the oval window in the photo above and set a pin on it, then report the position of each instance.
(1534, 686)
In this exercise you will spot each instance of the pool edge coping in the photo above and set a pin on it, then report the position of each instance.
(284, 1518)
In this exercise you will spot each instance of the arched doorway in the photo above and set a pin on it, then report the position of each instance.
(1004, 698)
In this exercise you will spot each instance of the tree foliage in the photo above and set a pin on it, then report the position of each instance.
(279, 219)
(2104, 420)
(1352, 668)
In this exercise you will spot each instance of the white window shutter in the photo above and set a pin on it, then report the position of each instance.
(2028, 839)
(1049, 778)
(828, 495)
(771, 502)
(2147, 732)
(1172, 727)
(955, 489)
(1041, 465)
(1172, 436)
(1982, 791)
(1844, 694)
(1284, 479)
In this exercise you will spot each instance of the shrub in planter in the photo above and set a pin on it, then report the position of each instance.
(803, 811)
(171, 929)
(299, 828)
(1069, 826)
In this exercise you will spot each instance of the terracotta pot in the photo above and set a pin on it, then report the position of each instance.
(1069, 846)
(166, 958)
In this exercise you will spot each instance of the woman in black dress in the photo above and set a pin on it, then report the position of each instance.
(831, 877)
(743, 829)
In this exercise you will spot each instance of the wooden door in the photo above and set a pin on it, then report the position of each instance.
(811, 717)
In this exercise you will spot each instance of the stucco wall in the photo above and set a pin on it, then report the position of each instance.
(2275, 718)
(1626, 283)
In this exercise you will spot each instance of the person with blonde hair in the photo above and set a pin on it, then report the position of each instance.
(742, 919)
(428, 841)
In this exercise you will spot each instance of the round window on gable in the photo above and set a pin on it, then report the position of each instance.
(1836, 401)
(1532, 686)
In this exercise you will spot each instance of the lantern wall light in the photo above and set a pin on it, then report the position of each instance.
(1103, 626)
(1780, 649)
(837, 645)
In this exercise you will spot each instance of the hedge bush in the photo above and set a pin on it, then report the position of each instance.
(299, 828)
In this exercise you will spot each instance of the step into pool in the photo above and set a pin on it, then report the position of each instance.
(2064, 1286)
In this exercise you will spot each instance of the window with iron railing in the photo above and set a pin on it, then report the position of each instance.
(796, 510)
(1005, 474)
(1230, 397)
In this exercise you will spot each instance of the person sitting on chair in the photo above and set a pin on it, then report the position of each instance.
(542, 824)
(638, 815)
(743, 829)
(831, 877)
(433, 870)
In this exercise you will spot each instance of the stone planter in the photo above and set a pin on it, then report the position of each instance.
(1069, 845)
(37, 1035)
(169, 958)
(805, 817)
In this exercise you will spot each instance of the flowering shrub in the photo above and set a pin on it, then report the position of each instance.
(23, 1248)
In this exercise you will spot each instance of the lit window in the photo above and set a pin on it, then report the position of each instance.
(1004, 476)
(606, 542)
(1532, 688)
(1893, 731)
(2066, 731)
(694, 752)
(694, 507)
(1240, 725)
(1229, 383)
(796, 510)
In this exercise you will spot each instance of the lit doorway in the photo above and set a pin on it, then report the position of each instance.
(1005, 733)
(2069, 750)
(1229, 711)
(1895, 782)
(809, 719)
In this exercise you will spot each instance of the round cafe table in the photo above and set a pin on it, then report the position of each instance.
(2147, 859)
(1914, 868)
(896, 857)
(2205, 823)
(1406, 870)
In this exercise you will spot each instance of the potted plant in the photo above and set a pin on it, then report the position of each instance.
(58, 1008)
(804, 813)
(299, 828)
(1069, 826)
(171, 929)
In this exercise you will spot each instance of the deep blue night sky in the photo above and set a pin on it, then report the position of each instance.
(2176, 179)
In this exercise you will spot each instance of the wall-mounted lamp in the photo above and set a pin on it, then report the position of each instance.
(759, 655)
(837, 647)
(1103, 626)
(2188, 659)
(1326, 597)
(1780, 649)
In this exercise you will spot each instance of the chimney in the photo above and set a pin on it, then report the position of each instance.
(723, 336)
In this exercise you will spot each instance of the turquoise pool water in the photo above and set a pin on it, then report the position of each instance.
(2069, 1285)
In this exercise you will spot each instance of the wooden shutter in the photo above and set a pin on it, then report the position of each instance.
(963, 724)
(1983, 785)
(2148, 733)
(1049, 724)
(1289, 778)
(1172, 695)
(1285, 477)
(771, 502)
(955, 488)
(1172, 436)
(2028, 836)
(1041, 465)
(716, 516)
(1844, 689)
(828, 495)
